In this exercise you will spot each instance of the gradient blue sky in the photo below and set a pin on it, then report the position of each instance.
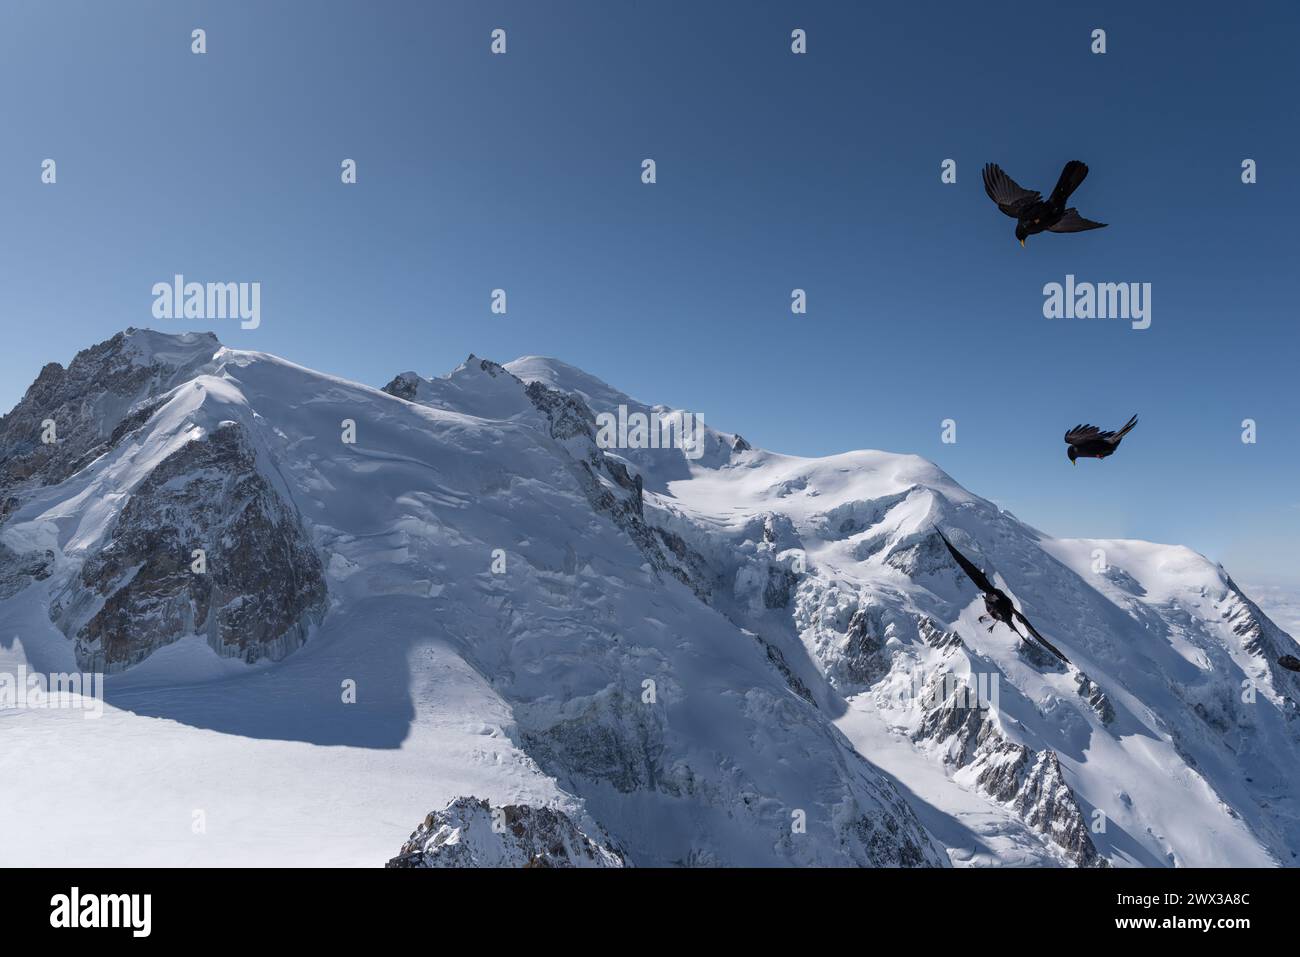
(775, 171)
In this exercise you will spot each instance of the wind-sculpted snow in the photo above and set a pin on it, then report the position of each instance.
(735, 658)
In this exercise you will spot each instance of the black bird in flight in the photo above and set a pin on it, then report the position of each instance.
(1090, 442)
(1027, 208)
(996, 601)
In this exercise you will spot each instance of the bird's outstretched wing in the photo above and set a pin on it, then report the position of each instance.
(1084, 433)
(978, 577)
(1072, 177)
(1072, 222)
(1039, 638)
(1090, 433)
(1010, 196)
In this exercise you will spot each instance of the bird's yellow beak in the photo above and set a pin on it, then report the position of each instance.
(1022, 244)
(1074, 462)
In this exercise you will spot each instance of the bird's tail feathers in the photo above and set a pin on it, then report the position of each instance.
(1128, 427)
(1071, 177)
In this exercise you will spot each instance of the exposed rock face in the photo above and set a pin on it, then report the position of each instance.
(1047, 804)
(864, 655)
(1032, 783)
(404, 386)
(608, 484)
(92, 404)
(936, 637)
(262, 586)
(688, 565)
(469, 832)
(1271, 645)
(17, 571)
(780, 587)
(263, 583)
(951, 718)
(852, 637)
(1096, 698)
(613, 739)
(1002, 766)
(778, 660)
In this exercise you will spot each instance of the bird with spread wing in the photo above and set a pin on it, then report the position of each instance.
(997, 602)
(1031, 212)
(1090, 442)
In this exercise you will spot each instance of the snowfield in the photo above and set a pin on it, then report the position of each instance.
(743, 658)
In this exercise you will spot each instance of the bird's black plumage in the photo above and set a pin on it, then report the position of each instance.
(996, 601)
(1090, 442)
(1031, 212)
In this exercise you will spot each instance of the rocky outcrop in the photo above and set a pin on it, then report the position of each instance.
(611, 738)
(103, 393)
(404, 385)
(952, 708)
(780, 587)
(1047, 804)
(253, 592)
(1032, 783)
(864, 655)
(17, 570)
(606, 482)
(469, 832)
(778, 660)
(1091, 692)
(1275, 648)
(937, 637)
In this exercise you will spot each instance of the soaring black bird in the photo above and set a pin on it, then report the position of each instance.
(1027, 207)
(1090, 442)
(996, 601)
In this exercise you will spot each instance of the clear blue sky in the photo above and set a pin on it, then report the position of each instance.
(775, 171)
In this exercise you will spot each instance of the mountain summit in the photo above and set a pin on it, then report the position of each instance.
(329, 612)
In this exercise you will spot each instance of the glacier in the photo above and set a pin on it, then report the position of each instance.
(728, 658)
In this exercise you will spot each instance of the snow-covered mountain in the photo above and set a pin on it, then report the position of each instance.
(330, 612)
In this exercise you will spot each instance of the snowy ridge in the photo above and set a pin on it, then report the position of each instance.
(582, 678)
(736, 659)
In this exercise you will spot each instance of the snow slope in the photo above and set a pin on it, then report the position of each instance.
(580, 677)
(736, 659)
(1178, 768)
